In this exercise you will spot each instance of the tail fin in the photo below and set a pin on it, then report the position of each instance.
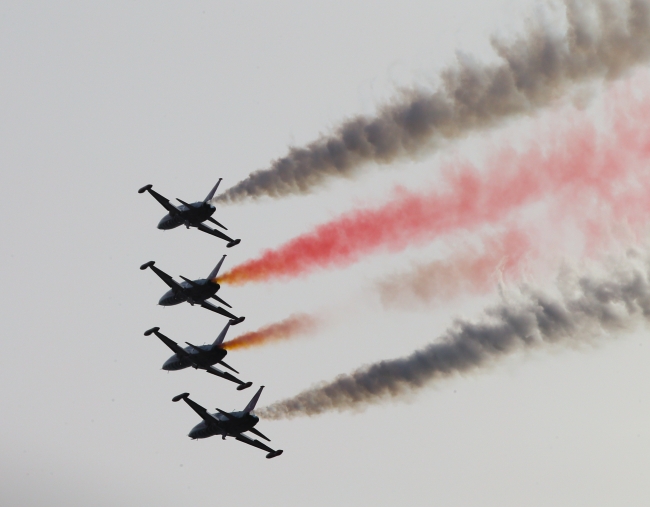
(215, 271)
(221, 336)
(253, 402)
(211, 194)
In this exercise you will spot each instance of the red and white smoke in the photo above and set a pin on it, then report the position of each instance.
(576, 167)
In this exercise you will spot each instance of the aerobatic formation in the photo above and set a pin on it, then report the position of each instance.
(591, 180)
(205, 357)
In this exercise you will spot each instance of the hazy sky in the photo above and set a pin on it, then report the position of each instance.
(99, 99)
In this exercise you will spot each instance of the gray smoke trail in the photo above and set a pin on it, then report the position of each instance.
(603, 40)
(586, 308)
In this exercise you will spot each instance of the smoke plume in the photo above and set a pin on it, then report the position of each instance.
(587, 308)
(284, 330)
(576, 163)
(468, 272)
(602, 41)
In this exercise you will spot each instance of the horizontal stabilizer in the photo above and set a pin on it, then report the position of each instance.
(152, 330)
(191, 282)
(180, 397)
(187, 204)
(228, 366)
(147, 265)
(227, 414)
(234, 322)
(274, 454)
(145, 188)
(210, 219)
(195, 347)
(259, 434)
(243, 386)
(217, 298)
(234, 242)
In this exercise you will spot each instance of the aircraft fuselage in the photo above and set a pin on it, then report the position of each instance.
(225, 426)
(197, 213)
(200, 291)
(209, 355)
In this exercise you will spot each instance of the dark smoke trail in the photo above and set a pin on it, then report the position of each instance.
(578, 166)
(588, 307)
(603, 40)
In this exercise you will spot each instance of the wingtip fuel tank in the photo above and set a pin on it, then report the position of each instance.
(246, 385)
(147, 265)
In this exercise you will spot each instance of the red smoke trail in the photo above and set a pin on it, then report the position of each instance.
(288, 328)
(577, 159)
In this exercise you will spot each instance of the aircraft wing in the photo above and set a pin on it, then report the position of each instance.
(225, 375)
(214, 232)
(203, 413)
(255, 443)
(175, 286)
(180, 351)
(217, 309)
(162, 200)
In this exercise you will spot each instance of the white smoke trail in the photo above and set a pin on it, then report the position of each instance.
(603, 40)
(586, 308)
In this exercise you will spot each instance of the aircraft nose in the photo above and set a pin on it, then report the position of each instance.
(164, 222)
(196, 431)
(166, 299)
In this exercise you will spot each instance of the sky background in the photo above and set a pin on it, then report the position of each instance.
(98, 99)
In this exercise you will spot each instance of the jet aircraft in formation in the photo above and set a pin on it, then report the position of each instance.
(229, 424)
(202, 357)
(205, 357)
(194, 291)
(190, 215)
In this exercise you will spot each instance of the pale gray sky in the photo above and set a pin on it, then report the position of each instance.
(99, 99)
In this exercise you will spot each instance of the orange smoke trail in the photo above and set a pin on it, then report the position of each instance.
(284, 330)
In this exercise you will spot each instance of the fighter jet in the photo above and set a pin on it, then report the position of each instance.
(199, 356)
(194, 291)
(229, 424)
(190, 215)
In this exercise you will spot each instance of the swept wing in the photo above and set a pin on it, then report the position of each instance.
(175, 286)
